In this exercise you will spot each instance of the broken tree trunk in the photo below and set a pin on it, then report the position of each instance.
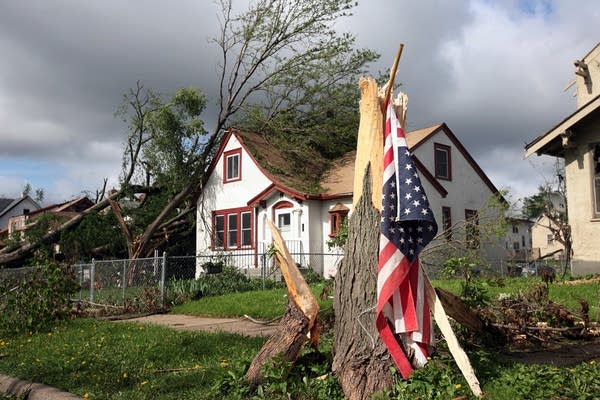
(361, 361)
(299, 319)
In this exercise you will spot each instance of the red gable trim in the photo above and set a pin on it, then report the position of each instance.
(465, 154)
(253, 202)
(472, 163)
(217, 156)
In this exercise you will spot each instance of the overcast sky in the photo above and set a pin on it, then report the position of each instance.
(494, 71)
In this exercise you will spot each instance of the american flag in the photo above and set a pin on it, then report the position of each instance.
(407, 226)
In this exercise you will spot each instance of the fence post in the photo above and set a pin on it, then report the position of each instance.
(162, 278)
(92, 278)
(124, 280)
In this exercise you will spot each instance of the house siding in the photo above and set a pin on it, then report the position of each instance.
(26, 204)
(218, 195)
(466, 190)
(580, 199)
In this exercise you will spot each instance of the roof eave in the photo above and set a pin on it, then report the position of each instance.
(550, 143)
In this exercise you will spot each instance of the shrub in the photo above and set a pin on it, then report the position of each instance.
(37, 300)
(229, 280)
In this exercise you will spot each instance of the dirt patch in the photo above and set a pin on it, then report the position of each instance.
(240, 326)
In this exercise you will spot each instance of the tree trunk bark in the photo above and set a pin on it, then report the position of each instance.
(361, 361)
(287, 341)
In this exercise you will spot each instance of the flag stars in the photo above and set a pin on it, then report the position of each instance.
(408, 196)
(408, 181)
(424, 211)
(416, 203)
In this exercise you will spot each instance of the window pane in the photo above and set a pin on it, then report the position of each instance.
(219, 230)
(284, 221)
(233, 164)
(447, 222)
(246, 229)
(441, 163)
(232, 230)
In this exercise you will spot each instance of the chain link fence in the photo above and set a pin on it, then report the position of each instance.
(122, 281)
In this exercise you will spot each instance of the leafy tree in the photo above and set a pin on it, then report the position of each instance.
(283, 69)
(534, 205)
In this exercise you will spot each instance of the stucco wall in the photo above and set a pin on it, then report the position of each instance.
(580, 200)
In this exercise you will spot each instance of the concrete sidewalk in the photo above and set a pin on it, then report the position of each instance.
(32, 391)
(241, 326)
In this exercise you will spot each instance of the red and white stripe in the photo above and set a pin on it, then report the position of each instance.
(402, 308)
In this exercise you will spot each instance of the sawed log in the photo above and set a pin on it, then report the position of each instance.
(299, 321)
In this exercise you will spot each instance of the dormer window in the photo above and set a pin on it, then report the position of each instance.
(443, 162)
(232, 165)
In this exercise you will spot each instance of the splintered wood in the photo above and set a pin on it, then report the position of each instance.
(299, 321)
(370, 152)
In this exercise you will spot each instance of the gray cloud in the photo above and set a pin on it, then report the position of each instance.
(493, 71)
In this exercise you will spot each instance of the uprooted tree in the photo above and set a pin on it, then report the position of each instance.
(283, 71)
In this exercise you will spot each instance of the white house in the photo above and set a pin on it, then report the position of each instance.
(518, 239)
(12, 207)
(250, 181)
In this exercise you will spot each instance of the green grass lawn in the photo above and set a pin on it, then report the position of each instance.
(109, 360)
(265, 304)
(122, 360)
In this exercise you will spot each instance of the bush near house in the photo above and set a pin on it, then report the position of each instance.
(36, 301)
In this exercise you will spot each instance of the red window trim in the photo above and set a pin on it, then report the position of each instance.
(336, 218)
(227, 154)
(226, 213)
(447, 149)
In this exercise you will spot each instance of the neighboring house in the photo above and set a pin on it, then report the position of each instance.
(66, 210)
(577, 139)
(250, 182)
(12, 207)
(543, 241)
(518, 239)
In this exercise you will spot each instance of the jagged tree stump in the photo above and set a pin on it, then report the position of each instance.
(286, 341)
(361, 361)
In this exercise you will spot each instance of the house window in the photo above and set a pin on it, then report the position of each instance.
(232, 166)
(596, 157)
(443, 163)
(515, 228)
(523, 241)
(472, 229)
(232, 229)
(516, 246)
(246, 228)
(550, 239)
(219, 230)
(284, 222)
(25, 211)
(447, 222)
(337, 215)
